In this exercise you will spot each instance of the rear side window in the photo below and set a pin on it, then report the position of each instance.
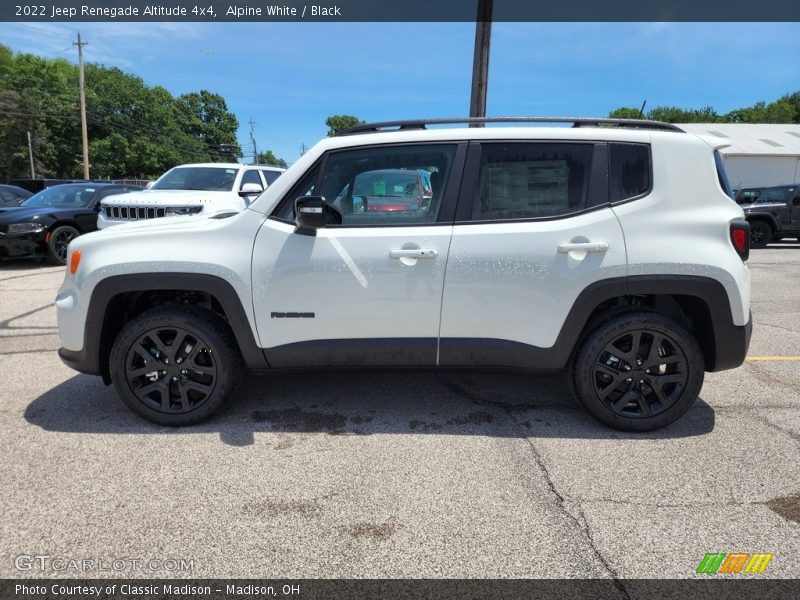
(629, 171)
(531, 180)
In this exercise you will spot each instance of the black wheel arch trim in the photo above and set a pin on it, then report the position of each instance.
(726, 350)
(769, 218)
(93, 358)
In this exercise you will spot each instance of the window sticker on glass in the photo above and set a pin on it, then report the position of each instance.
(230, 171)
(379, 188)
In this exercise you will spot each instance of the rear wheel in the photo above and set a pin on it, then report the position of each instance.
(638, 372)
(175, 366)
(760, 234)
(57, 244)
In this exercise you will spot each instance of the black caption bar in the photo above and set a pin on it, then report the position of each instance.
(400, 10)
(371, 589)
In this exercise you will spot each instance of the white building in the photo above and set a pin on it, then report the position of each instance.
(759, 154)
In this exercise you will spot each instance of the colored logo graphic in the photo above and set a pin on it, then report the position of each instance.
(715, 563)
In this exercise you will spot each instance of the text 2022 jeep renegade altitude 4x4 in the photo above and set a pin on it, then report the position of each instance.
(611, 248)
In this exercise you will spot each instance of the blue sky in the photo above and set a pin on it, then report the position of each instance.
(290, 76)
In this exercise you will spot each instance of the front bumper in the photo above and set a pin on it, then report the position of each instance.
(23, 245)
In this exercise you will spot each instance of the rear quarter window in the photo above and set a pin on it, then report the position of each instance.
(629, 171)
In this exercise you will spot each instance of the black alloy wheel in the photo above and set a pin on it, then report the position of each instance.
(638, 371)
(639, 374)
(58, 243)
(176, 364)
(171, 370)
(760, 234)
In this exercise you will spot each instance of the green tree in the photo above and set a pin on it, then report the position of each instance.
(268, 158)
(337, 123)
(205, 116)
(625, 112)
(134, 130)
(794, 100)
(779, 111)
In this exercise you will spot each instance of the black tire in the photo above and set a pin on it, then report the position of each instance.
(625, 383)
(760, 234)
(57, 243)
(195, 361)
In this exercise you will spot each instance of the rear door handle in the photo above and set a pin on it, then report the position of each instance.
(583, 247)
(413, 253)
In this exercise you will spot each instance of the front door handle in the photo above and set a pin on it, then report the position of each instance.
(413, 253)
(583, 247)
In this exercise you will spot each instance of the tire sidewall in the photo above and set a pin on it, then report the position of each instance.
(208, 327)
(597, 340)
(767, 234)
(52, 256)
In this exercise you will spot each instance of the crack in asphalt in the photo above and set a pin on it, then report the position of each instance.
(563, 502)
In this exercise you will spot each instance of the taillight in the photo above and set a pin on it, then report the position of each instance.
(740, 238)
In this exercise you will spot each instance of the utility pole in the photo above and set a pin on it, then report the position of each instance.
(84, 130)
(30, 156)
(303, 149)
(253, 137)
(480, 61)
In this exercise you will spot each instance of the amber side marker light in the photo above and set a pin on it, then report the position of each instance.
(74, 261)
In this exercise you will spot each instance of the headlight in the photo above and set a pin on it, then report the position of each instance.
(25, 228)
(183, 210)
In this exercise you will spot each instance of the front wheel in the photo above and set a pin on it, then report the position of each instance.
(57, 244)
(175, 366)
(638, 372)
(760, 234)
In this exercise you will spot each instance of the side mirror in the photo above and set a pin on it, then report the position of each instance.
(796, 201)
(309, 214)
(249, 189)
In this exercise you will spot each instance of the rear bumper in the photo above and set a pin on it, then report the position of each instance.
(731, 344)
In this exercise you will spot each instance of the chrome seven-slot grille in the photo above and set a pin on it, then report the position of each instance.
(134, 212)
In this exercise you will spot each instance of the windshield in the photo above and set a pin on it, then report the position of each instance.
(211, 179)
(62, 196)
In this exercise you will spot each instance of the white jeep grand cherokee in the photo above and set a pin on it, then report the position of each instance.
(611, 249)
(208, 188)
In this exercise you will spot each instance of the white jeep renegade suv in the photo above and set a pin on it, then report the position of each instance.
(611, 249)
(208, 188)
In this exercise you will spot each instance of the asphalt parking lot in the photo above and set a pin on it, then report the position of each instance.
(399, 475)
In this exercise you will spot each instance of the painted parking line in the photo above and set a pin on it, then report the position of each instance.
(773, 358)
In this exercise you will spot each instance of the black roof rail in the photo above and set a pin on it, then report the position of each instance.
(576, 122)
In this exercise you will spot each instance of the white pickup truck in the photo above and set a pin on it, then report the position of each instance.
(207, 188)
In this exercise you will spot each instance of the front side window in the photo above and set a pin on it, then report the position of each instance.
(390, 185)
(531, 180)
(629, 171)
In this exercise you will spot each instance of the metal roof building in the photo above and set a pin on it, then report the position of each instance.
(759, 154)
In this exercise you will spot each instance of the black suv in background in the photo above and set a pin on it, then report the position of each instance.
(773, 212)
